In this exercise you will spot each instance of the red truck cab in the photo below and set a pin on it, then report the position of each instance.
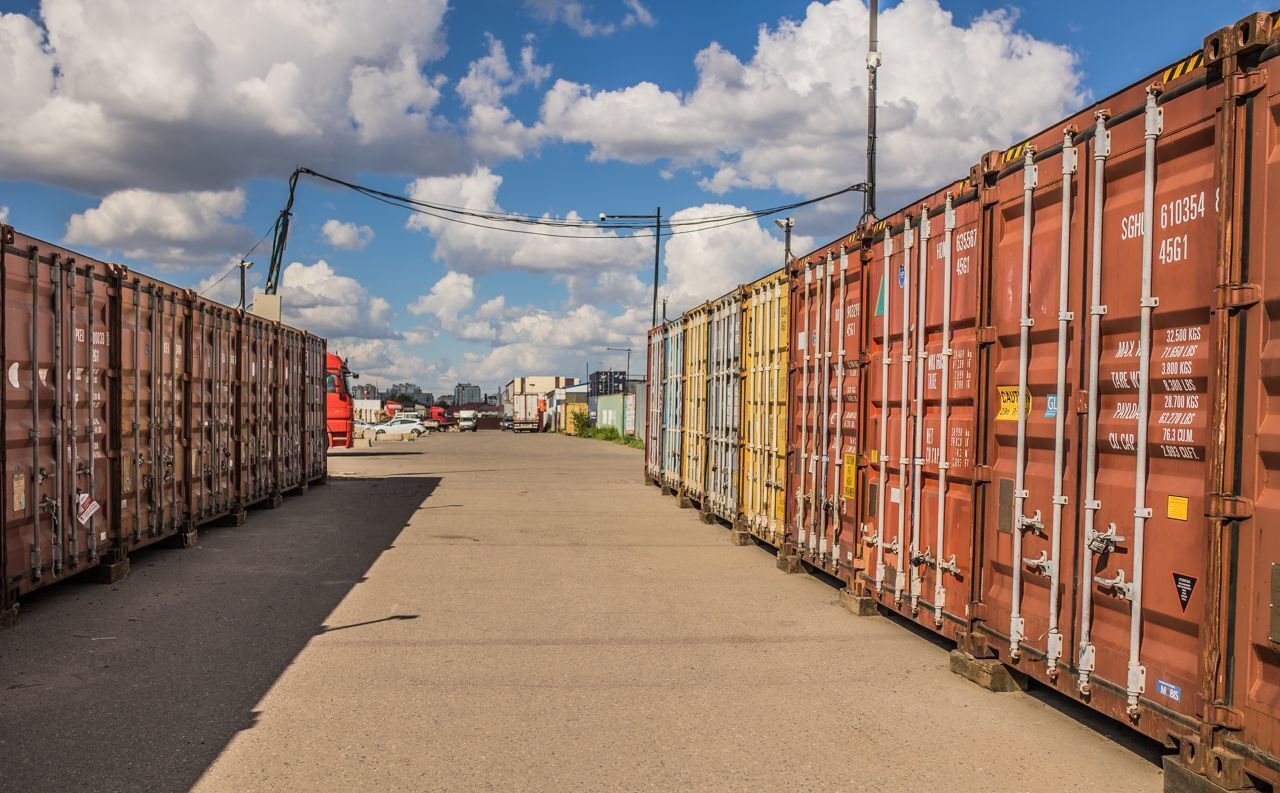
(339, 408)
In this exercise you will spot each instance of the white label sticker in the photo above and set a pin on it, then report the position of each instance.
(801, 338)
(895, 495)
(85, 508)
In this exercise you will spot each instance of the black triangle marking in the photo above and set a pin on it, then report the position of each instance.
(1185, 585)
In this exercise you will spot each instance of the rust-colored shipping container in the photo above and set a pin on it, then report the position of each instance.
(257, 409)
(58, 424)
(136, 411)
(153, 440)
(213, 419)
(825, 382)
(317, 439)
(921, 398)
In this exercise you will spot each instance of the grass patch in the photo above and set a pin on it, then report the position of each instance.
(582, 426)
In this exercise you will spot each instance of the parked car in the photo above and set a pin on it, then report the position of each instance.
(507, 423)
(400, 426)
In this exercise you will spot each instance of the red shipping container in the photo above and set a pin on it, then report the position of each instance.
(826, 316)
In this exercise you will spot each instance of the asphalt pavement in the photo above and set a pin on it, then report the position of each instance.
(490, 611)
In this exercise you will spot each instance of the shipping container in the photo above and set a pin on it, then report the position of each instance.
(655, 383)
(672, 403)
(825, 378)
(571, 411)
(258, 417)
(153, 444)
(127, 400)
(58, 423)
(763, 425)
(724, 410)
(316, 409)
(212, 404)
(921, 397)
(693, 461)
(610, 412)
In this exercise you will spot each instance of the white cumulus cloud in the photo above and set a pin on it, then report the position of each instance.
(471, 250)
(346, 236)
(169, 229)
(175, 95)
(792, 115)
(492, 128)
(317, 298)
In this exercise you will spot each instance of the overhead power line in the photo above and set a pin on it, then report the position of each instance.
(484, 218)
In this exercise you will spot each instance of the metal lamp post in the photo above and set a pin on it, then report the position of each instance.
(244, 269)
(627, 350)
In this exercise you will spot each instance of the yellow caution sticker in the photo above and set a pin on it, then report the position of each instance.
(1177, 509)
(850, 489)
(874, 455)
(1009, 403)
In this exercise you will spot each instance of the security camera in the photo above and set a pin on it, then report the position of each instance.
(603, 217)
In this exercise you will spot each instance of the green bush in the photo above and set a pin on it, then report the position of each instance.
(582, 424)
(608, 433)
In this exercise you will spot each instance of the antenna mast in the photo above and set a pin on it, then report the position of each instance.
(873, 64)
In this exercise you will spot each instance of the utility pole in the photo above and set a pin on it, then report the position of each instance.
(873, 64)
(656, 217)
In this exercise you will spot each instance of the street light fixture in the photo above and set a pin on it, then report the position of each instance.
(656, 217)
(786, 224)
(627, 350)
(244, 268)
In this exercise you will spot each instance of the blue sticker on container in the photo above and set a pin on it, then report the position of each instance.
(1051, 406)
(1168, 690)
(902, 276)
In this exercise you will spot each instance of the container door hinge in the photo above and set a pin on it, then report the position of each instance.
(1230, 507)
(982, 473)
(986, 334)
(1244, 84)
(1225, 716)
(1238, 295)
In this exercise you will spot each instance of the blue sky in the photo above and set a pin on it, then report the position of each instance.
(161, 138)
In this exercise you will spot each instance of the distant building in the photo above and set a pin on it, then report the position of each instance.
(607, 382)
(537, 384)
(493, 399)
(365, 391)
(408, 391)
(466, 393)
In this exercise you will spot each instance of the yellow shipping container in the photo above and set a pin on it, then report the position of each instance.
(570, 411)
(693, 466)
(763, 427)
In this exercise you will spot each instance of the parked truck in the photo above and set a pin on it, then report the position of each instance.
(467, 420)
(527, 412)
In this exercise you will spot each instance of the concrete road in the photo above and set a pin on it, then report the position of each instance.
(495, 612)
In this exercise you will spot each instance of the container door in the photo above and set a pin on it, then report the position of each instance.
(142, 441)
(950, 410)
(1140, 624)
(1249, 549)
(843, 416)
(889, 271)
(200, 401)
(57, 478)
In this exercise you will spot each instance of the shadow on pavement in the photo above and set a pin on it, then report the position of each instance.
(139, 686)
